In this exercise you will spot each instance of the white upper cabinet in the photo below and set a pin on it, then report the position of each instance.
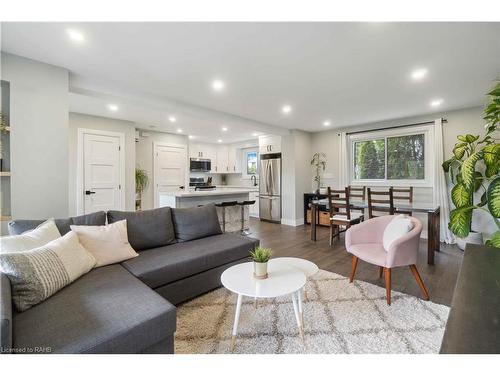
(225, 159)
(269, 144)
(234, 159)
(222, 160)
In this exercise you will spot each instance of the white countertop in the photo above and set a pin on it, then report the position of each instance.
(203, 193)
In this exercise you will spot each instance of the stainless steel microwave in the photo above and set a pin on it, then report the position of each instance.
(200, 165)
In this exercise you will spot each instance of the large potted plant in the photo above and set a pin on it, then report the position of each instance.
(141, 183)
(318, 162)
(474, 168)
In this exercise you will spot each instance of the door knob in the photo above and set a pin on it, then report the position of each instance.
(88, 192)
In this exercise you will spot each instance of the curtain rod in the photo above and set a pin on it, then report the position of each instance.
(443, 120)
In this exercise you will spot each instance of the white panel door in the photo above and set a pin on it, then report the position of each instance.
(101, 173)
(170, 169)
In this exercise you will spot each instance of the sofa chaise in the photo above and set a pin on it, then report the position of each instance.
(127, 307)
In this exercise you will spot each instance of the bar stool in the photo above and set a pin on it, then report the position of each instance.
(244, 231)
(224, 205)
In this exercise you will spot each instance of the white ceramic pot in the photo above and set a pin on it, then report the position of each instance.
(260, 270)
(473, 237)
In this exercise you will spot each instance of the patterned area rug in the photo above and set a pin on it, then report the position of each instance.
(339, 317)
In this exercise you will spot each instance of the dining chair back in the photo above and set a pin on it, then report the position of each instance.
(380, 201)
(340, 212)
(403, 194)
(357, 192)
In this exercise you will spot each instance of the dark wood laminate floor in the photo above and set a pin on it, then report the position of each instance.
(295, 241)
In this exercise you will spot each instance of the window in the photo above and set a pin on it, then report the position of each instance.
(390, 157)
(251, 158)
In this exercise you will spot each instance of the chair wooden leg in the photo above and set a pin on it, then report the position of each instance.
(388, 284)
(420, 283)
(380, 272)
(354, 265)
(331, 234)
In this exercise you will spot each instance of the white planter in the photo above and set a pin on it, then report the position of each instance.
(473, 237)
(260, 270)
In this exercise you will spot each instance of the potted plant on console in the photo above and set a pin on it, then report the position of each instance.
(141, 183)
(260, 257)
(318, 162)
(474, 168)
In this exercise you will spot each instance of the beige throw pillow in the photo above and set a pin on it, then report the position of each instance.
(107, 243)
(41, 235)
(37, 274)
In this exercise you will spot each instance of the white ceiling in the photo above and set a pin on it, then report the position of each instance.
(349, 73)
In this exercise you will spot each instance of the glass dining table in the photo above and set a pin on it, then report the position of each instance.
(433, 218)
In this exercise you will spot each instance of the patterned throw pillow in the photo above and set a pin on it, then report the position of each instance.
(37, 274)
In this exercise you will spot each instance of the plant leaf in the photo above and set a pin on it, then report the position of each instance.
(462, 138)
(495, 240)
(484, 200)
(468, 169)
(491, 156)
(460, 220)
(459, 150)
(446, 164)
(460, 196)
(493, 195)
(469, 138)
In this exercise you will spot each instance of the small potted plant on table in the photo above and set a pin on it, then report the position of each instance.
(260, 257)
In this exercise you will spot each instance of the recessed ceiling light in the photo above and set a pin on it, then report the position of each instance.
(419, 74)
(219, 140)
(179, 130)
(286, 109)
(172, 119)
(190, 136)
(224, 129)
(436, 102)
(218, 85)
(113, 107)
(255, 134)
(75, 35)
(327, 123)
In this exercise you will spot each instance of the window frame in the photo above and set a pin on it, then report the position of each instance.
(426, 130)
(244, 169)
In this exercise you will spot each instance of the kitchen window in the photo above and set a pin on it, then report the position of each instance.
(392, 157)
(251, 158)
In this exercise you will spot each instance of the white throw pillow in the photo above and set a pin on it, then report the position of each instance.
(107, 243)
(37, 274)
(41, 235)
(397, 228)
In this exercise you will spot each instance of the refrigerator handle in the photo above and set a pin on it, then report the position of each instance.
(268, 176)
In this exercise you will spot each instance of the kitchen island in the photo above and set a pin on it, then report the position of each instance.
(185, 199)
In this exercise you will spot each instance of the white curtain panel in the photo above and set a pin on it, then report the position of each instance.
(343, 161)
(441, 194)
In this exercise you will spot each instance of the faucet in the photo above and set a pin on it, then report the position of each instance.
(254, 179)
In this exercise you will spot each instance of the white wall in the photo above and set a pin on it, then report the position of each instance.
(144, 159)
(296, 175)
(461, 121)
(39, 137)
(78, 120)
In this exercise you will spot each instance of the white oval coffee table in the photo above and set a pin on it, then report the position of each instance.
(282, 280)
(307, 267)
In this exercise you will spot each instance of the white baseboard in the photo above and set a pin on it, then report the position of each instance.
(293, 222)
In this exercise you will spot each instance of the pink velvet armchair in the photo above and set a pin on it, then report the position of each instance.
(364, 241)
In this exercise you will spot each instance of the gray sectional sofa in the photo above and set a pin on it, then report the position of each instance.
(127, 307)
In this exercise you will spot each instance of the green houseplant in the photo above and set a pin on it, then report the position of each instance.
(260, 257)
(318, 162)
(141, 183)
(474, 168)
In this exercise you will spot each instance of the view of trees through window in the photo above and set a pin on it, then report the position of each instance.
(252, 162)
(405, 158)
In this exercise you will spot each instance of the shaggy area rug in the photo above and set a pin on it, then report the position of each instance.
(339, 317)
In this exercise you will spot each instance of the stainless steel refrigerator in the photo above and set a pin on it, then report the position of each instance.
(270, 187)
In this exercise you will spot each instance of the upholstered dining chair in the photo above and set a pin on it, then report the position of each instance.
(365, 241)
